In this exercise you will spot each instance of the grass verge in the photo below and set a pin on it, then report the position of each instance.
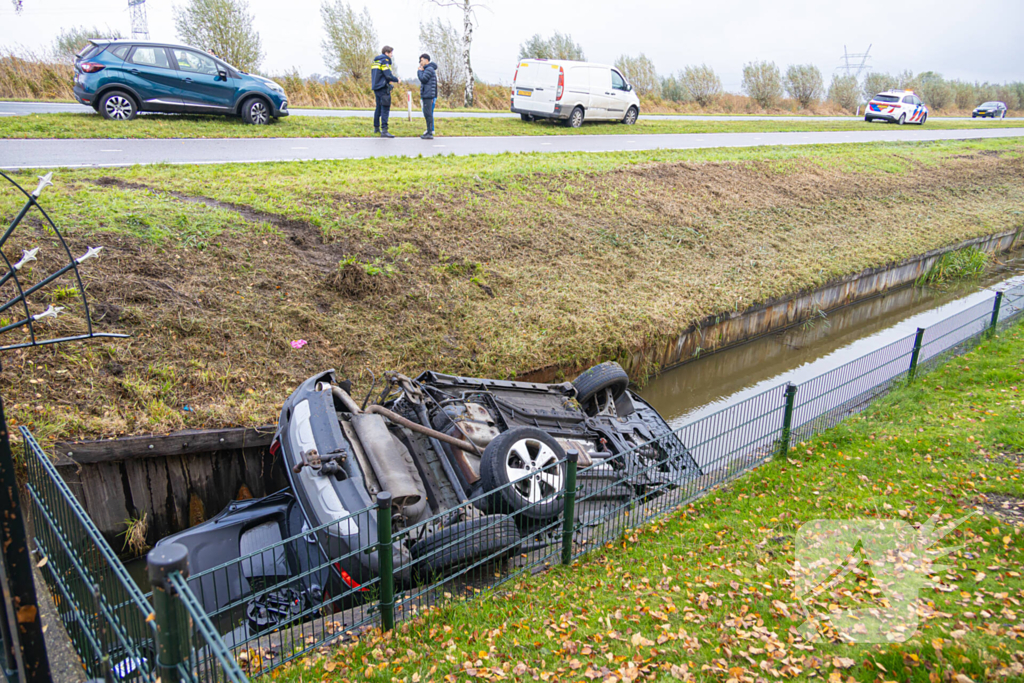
(709, 592)
(67, 125)
(487, 266)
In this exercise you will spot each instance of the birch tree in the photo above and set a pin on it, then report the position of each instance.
(468, 8)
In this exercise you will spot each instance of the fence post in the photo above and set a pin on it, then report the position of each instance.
(995, 313)
(916, 353)
(787, 417)
(385, 561)
(569, 512)
(173, 626)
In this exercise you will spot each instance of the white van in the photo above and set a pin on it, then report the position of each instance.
(572, 92)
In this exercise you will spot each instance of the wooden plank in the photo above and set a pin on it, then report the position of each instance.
(103, 492)
(155, 446)
(164, 516)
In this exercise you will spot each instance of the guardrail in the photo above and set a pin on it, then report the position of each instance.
(330, 583)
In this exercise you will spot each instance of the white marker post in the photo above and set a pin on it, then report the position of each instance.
(410, 105)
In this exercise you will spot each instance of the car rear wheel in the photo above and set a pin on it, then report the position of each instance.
(597, 380)
(868, 119)
(255, 111)
(575, 119)
(526, 117)
(902, 119)
(631, 116)
(118, 105)
(462, 543)
(524, 468)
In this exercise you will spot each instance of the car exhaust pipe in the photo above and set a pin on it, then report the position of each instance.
(391, 463)
(354, 408)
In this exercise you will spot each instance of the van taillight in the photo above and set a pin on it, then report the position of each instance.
(91, 67)
(561, 83)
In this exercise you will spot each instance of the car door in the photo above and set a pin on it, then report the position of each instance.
(204, 86)
(149, 72)
(600, 93)
(577, 88)
(620, 99)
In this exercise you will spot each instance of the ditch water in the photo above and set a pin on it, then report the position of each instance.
(708, 384)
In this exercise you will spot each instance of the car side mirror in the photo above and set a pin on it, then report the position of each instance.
(629, 87)
(222, 75)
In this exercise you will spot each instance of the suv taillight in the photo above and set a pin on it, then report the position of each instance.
(91, 67)
(561, 83)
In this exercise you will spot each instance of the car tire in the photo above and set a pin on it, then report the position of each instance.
(117, 105)
(901, 120)
(631, 116)
(868, 119)
(462, 543)
(526, 117)
(575, 119)
(607, 375)
(256, 111)
(924, 117)
(503, 468)
(1003, 115)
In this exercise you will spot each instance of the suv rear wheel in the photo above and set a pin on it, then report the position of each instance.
(255, 111)
(117, 105)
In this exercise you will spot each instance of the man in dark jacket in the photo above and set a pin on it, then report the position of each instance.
(428, 92)
(381, 79)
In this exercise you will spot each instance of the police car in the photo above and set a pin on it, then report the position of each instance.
(896, 106)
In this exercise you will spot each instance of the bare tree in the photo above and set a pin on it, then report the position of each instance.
(70, 41)
(844, 91)
(876, 82)
(351, 41)
(468, 8)
(762, 81)
(223, 27)
(558, 46)
(804, 84)
(640, 72)
(702, 84)
(441, 41)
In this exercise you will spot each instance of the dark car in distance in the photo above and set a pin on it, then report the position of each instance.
(120, 78)
(992, 110)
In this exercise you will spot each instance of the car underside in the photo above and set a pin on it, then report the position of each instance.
(462, 458)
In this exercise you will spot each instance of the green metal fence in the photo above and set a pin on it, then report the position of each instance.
(324, 591)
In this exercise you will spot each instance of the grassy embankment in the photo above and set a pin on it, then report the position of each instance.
(488, 266)
(710, 592)
(95, 126)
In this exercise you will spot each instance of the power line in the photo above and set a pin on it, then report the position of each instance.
(850, 64)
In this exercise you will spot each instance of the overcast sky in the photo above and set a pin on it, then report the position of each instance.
(973, 40)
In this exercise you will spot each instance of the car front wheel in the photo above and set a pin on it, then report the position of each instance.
(631, 116)
(256, 112)
(118, 106)
(924, 117)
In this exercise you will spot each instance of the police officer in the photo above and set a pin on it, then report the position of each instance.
(381, 79)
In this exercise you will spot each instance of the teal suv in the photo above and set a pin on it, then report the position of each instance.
(120, 78)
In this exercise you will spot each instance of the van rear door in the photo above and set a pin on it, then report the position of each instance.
(535, 88)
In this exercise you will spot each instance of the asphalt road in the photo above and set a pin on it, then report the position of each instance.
(15, 154)
(23, 108)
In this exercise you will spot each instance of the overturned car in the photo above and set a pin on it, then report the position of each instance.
(475, 468)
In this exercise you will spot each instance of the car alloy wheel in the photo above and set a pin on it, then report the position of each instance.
(119, 107)
(630, 117)
(525, 464)
(258, 113)
(576, 118)
(902, 119)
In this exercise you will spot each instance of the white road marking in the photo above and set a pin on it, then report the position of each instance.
(110, 150)
(300, 147)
